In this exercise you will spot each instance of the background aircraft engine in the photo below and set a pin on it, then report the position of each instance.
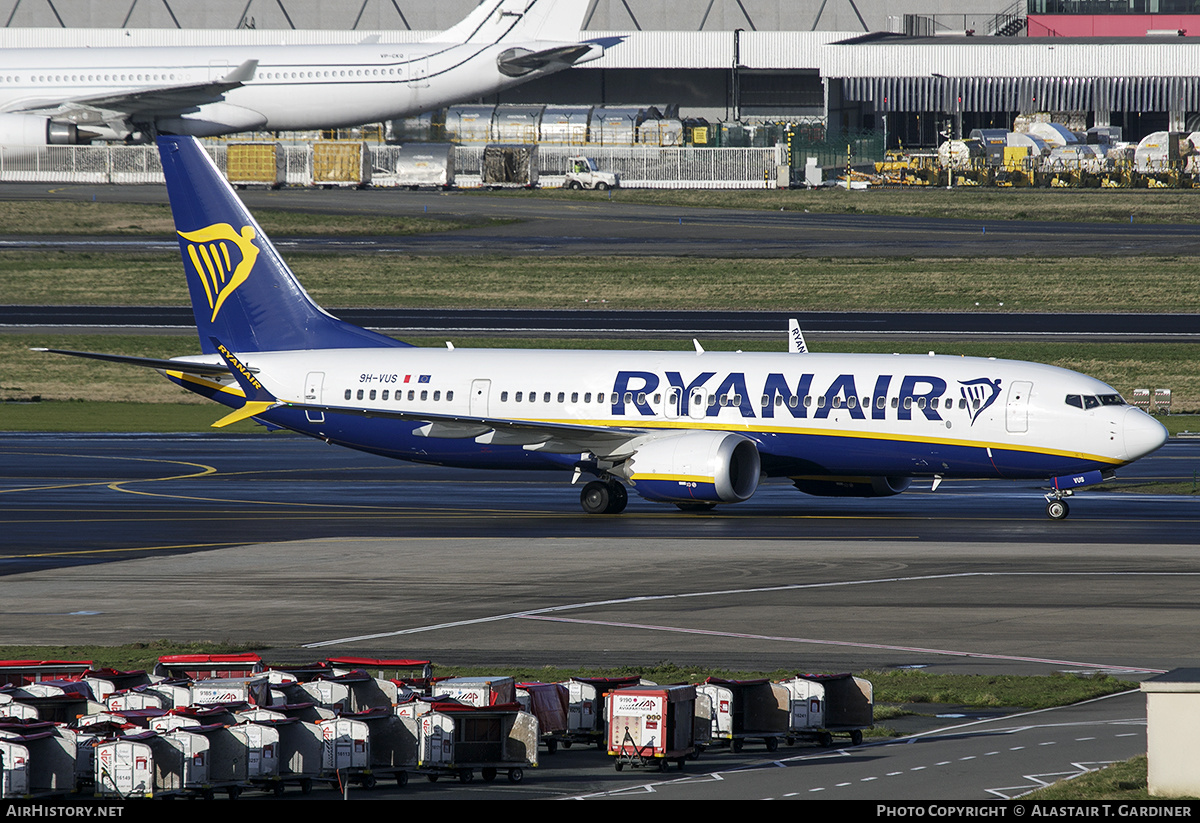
(852, 486)
(31, 130)
(700, 467)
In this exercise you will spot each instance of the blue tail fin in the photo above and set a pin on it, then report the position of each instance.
(242, 292)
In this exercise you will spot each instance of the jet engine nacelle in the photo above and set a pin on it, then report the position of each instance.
(704, 467)
(31, 130)
(853, 486)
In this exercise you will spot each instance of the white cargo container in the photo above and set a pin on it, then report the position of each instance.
(300, 751)
(477, 691)
(824, 705)
(744, 710)
(14, 769)
(254, 689)
(124, 700)
(455, 740)
(346, 744)
(146, 765)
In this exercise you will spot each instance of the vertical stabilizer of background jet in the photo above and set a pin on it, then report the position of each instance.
(514, 21)
(242, 292)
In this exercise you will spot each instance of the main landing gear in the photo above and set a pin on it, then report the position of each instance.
(604, 497)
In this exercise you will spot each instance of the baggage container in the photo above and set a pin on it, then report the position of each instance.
(650, 726)
(824, 705)
(240, 756)
(255, 164)
(744, 710)
(510, 166)
(143, 765)
(207, 666)
(119, 701)
(454, 740)
(346, 745)
(341, 163)
(42, 755)
(586, 707)
(255, 689)
(477, 691)
(393, 746)
(24, 672)
(548, 702)
(299, 751)
(423, 164)
(104, 682)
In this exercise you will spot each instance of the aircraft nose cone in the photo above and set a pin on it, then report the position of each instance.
(1143, 434)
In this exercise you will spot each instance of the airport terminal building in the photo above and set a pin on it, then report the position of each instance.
(913, 73)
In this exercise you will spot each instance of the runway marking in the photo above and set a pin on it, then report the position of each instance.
(86, 552)
(547, 614)
(112, 484)
(849, 644)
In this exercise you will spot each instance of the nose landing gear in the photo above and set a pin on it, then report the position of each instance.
(1056, 507)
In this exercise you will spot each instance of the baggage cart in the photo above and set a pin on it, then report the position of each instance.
(255, 164)
(142, 765)
(341, 163)
(824, 705)
(206, 666)
(650, 726)
(586, 707)
(345, 750)
(477, 691)
(37, 759)
(393, 746)
(744, 710)
(299, 751)
(454, 740)
(548, 703)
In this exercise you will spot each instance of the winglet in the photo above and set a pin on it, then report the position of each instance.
(796, 344)
(258, 399)
(243, 73)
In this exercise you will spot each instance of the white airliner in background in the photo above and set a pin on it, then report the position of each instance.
(73, 95)
(694, 429)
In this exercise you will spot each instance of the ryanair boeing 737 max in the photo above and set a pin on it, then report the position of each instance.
(690, 429)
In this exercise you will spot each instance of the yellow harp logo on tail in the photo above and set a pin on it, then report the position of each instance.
(221, 271)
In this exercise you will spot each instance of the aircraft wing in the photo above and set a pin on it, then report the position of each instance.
(608, 442)
(142, 103)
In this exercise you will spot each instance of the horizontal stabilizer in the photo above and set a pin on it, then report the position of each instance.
(517, 62)
(148, 362)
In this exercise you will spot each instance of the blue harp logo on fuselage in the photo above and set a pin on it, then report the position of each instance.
(223, 258)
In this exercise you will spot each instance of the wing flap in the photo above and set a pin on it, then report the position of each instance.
(563, 438)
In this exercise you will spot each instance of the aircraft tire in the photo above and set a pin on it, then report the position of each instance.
(1057, 509)
(595, 497)
(618, 497)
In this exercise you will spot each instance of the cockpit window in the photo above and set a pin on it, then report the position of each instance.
(1088, 401)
